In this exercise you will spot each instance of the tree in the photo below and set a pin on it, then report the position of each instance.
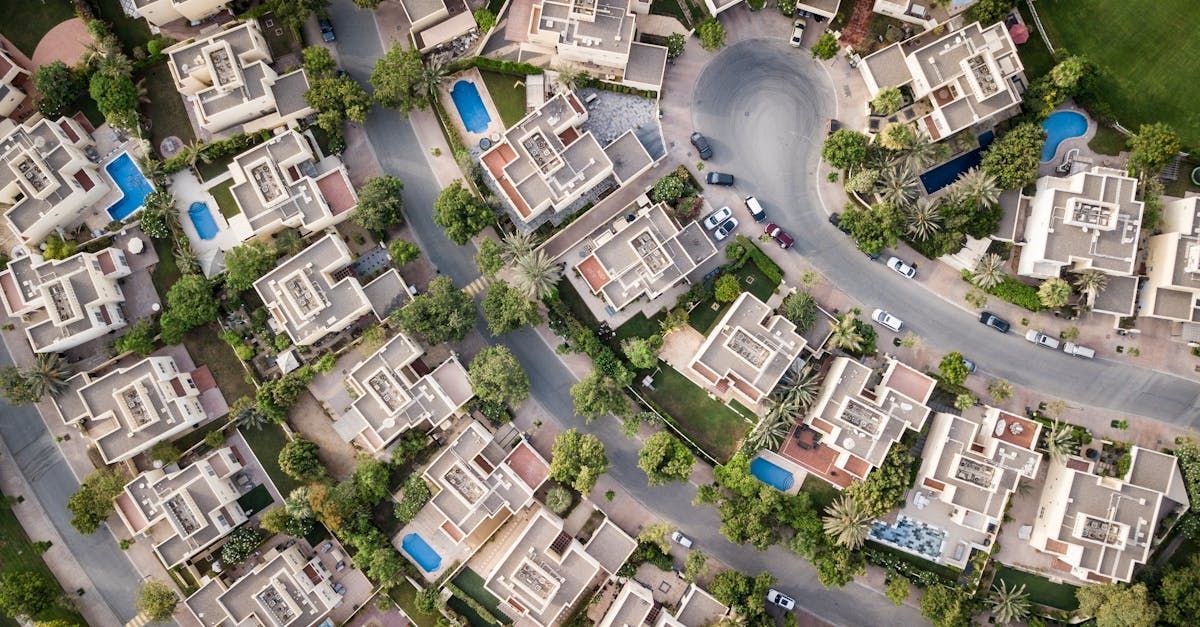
(244, 264)
(240, 544)
(428, 599)
(727, 289)
(16, 387)
(156, 600)
(1152, 148)
(844, 333)
(711, 33)
(441, 314)
(559, 499)
(158, 215)
(977, 186)
(279, 520)
(383, 564)
(924, 153)
(898, 136)
(753, 512)
(1179, 592)
(416, 495)
(537, 274)
(507, 309)
(485, 19)
(403, 252)
(837, 566)
(923, 220)
(964, 401)
(1000, 390)
(318, 62)
(945, 606)
(887, 101)
(1054, 293)
(1013, 159)
(461, 213)
(657, 534)
(298, 460)
(338, 98)
(26, 593)
(489, 259)
(642, 352)
(1090, 283)
(370, 479)
(294, 13)
(60, 86)
(800, 308)
(676, 42)
(899, 185)
(1118, 605)
(730, 587)
(897, 589)
(770, 432)
(847, 522)
(48, 375)
(989, 11)
(57, 248)
(93, 502)
(380, 204)
(577, 460)
(675, 320)
(695, 565)
(115, 93)
(989, 271)
(1009, 604)
(826, 47)
(669, 188)
(190, 304)
(273, 398)
(845, 149)
(497, 376)
(1059, 441)
(885, 487)
(874, 228)
(953, 369)
(398, 81)
(863, 181)
(599, 395)
(245, 413)
(665, 459)
(165, 452)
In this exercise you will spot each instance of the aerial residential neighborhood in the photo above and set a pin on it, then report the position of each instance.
(616, 313)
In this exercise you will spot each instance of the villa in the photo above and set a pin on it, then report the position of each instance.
(14, 81)
(856, 419)
(437, 22)
(163, 12)
(1172, 283)
(635, 606)
(747, 352)
(181, 512)
(395, 391)
(643, 255)
(227, 80)
(279, 184)
(68, 302)
(962, 79)
(47, 181)
(1099, 528)
(595, 36)
(923, 13)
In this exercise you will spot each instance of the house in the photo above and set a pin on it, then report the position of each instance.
(163, 12)
(857, 417)
(479, 481)
(280, 184)
(747, 352)
(924, 13)
(598, 37)
(1099, 528)
(545, 571)
(46, 178)
(437, 22)
(14, 82)
(182, 512)
(635, 607)
(821, 8)
(961, 79)
(395, 391)
(643, 255)
(130, 409)
(227, 79)
(292, 586)
(67, 302)
(1172, 283)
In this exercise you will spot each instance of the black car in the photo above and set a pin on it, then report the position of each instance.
(718, 178)
(994, 321)
(702, 146)
(326, 29)
(835, 219)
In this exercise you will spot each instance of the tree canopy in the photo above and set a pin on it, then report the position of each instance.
(845, 149)
(952, 368)
(298, 459)
(642, 352)
(665, 459)
(753, 512)
(1014, 158)
(93, 502)
(190, 303)
(403, 252)
(1118, 605)
(711, 33)
(26, 593)
(60, 86)
(397, 79)
(826, 47)
(244, 264)
(1152, 148)
(461, 213)
(380, 204)
(294, 13)
(578, 460)
(506, 309)
(157, 601)
(599, 395)
(497, 376)
(490, 257)
(442, 314)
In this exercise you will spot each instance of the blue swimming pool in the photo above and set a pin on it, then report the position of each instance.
(911, 535)
(949, 171)
(470, 106)
(1061, 125)
(423, 554)
(125, 173)
(202, 219)
(772, 475)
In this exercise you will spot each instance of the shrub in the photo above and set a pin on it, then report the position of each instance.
(485, 19)
(826, 47)
(214, 439)
(559, 499)
(416, 495)
(298, 460)
(711, 33)
(165, 452)
(240, 545)
(728, 288)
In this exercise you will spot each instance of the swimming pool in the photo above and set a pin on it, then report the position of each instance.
(949, 171)
(1061, 125)
(772, 475)
(423, 554)
(206, 226)
(911, 535)
(470, 106)
(125, 173)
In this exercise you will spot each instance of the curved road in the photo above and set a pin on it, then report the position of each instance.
(763, 106)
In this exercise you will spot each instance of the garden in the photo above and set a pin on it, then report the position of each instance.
(1041, 590)
(19, 555)
(714, 426)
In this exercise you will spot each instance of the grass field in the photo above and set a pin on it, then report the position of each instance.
(224, 198)
(17, 555)
(508, 96)
(1108, 141)
(710, 424)
(406, 597)
(132, 32)
(1147, 51)
(1041, 590)
(26, 32)
(166, 271)
(266, 444)
(206, 347)
(166, 112)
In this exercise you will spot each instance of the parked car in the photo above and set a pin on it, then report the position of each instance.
(326, 29)
(755, 208)
(780, 236)
(1041, 339)
(1072, 348)
(797, 32)
(969, 365)
(681, 540)
(717, 217)
(898, 265)
(725, 229)
(702, 146)
(718, 178)
(781, 599)
(887, 320)
(994, 321)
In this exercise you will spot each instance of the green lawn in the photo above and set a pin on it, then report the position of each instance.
(166, 272)
(821, 491)
(17, 554)
(1182, 185)
(473, 585)
(705, 315)
(256, 500)
(1034, 55)
(1041, 590)
(1108, 141)
(1146, 51)
(132, 32)
(26, 32)
(671, 8)
(166, 111)
(214, 168)
(406, 597)
(508, 95)
(639, 326)
(224, 198)
(206, 347)
(280, 39)
(711, 424)
(266, 444)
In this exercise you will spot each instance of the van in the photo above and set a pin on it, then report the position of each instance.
(587, 102)
(755, 209)
(1041, 339)
(1071, 348)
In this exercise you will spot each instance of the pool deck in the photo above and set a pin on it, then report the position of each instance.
(110, 148)
(1086, 157)
(495, 127)
(187, 190)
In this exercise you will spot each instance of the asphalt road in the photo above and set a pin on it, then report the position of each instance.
(764, 108)
(48, 474)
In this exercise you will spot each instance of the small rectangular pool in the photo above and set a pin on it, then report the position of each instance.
(202, 219)
(421, 553)
(772, 475)
(948, 172)
(134, 186)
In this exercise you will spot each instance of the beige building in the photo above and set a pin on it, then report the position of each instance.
(67, 302)
(747, 352)
(598, 37)
(643, 257)
(438, 22)
(396, 392)
(46, 179)
(635, 607)
(163, 12)
(227, 80)
(13, 82)
(181, 512)
(1172, 283)
(1099, 528)
(961, 79)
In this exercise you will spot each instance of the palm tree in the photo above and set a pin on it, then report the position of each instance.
(516, 245)
(537, 274)
(193, 151)
(185, 257)
(115, 65)
(250, 418)
(924, 219)
(989, 271)
(800, 388)
(296, 503)
(1090, 283)
(769, 432)
(143, 93)
(48, 375)
(979, 186)
(153, 169)
(847, 522)
(1009, 605)
(570, 79)
(844, 333)
(432, 76)
(899, 186)
(1059, 442)
(923, 153)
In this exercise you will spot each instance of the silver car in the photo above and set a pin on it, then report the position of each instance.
(725, 229)
(717, 217)
(887, 320)
(899, 266)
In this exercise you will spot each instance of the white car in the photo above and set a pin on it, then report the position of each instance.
(781, 599)
(887, 320)
(797, 32)
(717, 217)
(898, 265)
(1041, 339)
(725, 229)
(682, 540)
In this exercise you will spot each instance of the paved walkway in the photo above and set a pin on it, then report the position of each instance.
(65, 42)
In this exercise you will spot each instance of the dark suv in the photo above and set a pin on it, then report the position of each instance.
(702, 145)
(994, 321)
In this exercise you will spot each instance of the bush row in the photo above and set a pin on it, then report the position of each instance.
(595, 83)
(1011, 290)
(580, 338)
(751, 252)
(513, 68)
(218, 149)
(478, 607)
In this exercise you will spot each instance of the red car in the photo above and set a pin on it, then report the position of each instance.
(780, 236)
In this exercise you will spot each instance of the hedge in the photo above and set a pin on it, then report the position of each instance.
(595, 83)
(751, 252)
(1011, 290)
(219, 149)
(478, 607)
(580, 338)
(512, 68)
